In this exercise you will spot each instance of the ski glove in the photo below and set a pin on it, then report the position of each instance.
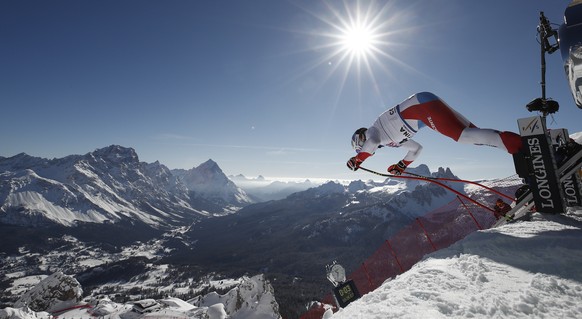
(398, 168)
(354, 163)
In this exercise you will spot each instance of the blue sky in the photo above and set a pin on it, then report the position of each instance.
(262, 87)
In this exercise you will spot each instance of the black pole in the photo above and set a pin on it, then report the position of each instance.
(543, 62)
(545, 32)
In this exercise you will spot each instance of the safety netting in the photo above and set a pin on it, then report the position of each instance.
(430, 232)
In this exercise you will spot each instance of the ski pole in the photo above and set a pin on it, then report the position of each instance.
(463, 181)
(431, 181)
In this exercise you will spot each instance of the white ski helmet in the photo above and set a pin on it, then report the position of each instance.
(358, 139)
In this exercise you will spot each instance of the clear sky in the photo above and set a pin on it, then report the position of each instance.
(266, 86)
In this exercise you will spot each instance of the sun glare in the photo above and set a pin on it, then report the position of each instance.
(361, 35)
(358, 40)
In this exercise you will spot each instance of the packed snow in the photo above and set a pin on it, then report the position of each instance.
(528, 269)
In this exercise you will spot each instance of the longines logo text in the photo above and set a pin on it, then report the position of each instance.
(540, 173)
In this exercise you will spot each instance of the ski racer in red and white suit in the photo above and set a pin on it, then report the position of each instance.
(397, 126)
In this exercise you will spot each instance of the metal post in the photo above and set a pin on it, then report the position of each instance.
(426, 234)
(395, 256)
(470, 214)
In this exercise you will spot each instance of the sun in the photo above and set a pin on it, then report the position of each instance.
(360, 33)
(362, 38)
(358, 40)
(357, 46)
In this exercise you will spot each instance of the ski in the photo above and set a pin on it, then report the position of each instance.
(521, 208)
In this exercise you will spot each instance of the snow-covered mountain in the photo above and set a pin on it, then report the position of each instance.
(208, 181)
(285, 237)
(61, 295)
(57, 291)
(110, 185)
(528, 269)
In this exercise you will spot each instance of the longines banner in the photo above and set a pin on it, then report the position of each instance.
(571, 186)
(543, 180)
(572, 195)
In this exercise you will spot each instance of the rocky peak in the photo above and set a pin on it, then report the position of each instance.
(51, 293)
(208, 180)
(206, 174)
(421, 169)
(116, 154)
(444, 173)
(20, 161)
(355, 186)
(326, 189)
(209, 166)
(253, 295)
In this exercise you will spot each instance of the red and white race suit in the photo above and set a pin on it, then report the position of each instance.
(397, 126)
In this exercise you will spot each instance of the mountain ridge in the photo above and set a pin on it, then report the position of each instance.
(108, 184)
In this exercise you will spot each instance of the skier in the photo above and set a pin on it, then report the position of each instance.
(396, 127)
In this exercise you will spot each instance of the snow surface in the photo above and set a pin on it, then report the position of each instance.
(529, 269)
(249, 298)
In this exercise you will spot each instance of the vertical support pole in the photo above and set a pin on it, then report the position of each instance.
(394, 255)
(426, 234)
(470, 214)
(368, 276)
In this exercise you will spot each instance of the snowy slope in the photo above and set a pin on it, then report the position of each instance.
(246, 298)
(523, 270)
(57, 291)
(110, 185)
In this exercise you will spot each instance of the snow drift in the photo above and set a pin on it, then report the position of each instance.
(528, 269)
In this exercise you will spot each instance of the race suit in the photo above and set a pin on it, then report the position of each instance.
(397, 126)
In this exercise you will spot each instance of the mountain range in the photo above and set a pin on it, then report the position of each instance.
(86, 213)
(111, 185)
(263, 189)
